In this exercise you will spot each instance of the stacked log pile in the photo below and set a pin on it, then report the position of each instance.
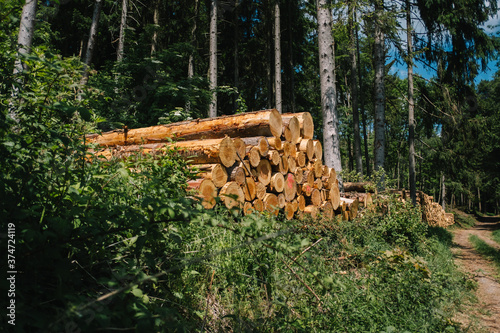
(255, 161)
(432, 212)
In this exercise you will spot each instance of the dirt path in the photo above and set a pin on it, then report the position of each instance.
(487, 311)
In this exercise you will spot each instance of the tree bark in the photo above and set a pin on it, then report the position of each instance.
(354, 88)
(24, 42)
(259, 123)
(213, 59)
(123, 27)
(91, 42)
(156, 22)
(191, 54)
(210, 151)
(362, 102)
(26, 31)
(236, 54)
(277, 57)
(411, 106)
(379, 61)
(331, 144)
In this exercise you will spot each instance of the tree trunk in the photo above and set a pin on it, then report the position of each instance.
(123, 27)
(26, 31)
(156, 22)
(478, 199)
(24, 42)
(443, 192)
(92, 41)
(379, 64)
(331, 144)
(277, 57)
(354, 89)
(191, 54)
(213, 59)
(411, 106)
(236, 55)
(290, 63)
(362, 101)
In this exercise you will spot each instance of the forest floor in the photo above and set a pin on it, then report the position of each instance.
(483, 316)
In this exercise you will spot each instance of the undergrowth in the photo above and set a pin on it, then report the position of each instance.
(122, 246)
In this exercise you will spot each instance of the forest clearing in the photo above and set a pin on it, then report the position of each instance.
(249, 166)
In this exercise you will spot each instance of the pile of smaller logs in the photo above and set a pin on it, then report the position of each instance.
(255, 161)
(432, 212)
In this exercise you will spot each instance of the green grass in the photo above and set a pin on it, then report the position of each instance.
(487, 251)
(496, 236)
(464, 220)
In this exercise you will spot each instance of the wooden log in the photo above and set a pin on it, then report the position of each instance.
(306, 123)
(307, 189)
(240, 147)
(284, 165)
(258, 123)
(277, 183)
(335, 196)
(311, 210)
(292, 164)
(287, 148)
(281, 200)
(258, 205)
(196, 152)
(264, 172)
(318, 168)
(206, 191)
(327, 209)
(301, 201)
(314, 198)
(301, 159)
(351, 205)
(232, 195)
(217, 174)
(307, 146)
(358, 187)
(290, 188)
(274, 157)
(291, 127)
(318, 184)
(309, 176)
(260, 142)
(328, 182)
(318, 150)
(260, 190)
(254, 156)
(275, 142)
(237, 174)
(247, 167)
(248, 208)
(299, 176)
(271, 203)
(249, 189)
(288, 210)
(295, 204)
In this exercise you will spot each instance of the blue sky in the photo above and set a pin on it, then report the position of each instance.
(491, 27)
